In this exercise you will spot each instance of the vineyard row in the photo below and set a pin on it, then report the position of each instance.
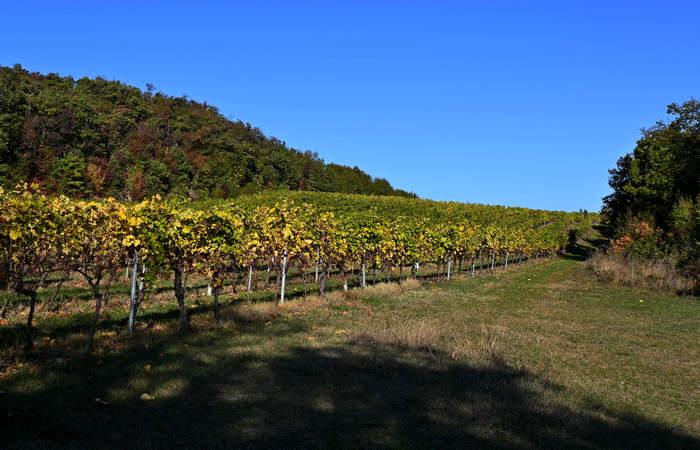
(162, 239)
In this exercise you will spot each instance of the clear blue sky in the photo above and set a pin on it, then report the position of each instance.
(513, 103)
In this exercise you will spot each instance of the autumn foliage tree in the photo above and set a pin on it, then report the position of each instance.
(657, 183)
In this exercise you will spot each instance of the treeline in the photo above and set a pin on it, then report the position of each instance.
(92, 138)
(44, 235)
(655, 204)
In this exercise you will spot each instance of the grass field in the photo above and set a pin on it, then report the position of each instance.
(541, 355)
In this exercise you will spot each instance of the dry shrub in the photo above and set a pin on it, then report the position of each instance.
(617, 268)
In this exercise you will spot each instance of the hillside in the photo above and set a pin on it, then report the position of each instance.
(99, 138)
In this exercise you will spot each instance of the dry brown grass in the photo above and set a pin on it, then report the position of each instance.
(432, 335)
(255, 312)
(420, 334)
(384, 289)
(380, 290)
(410, 284)
(485, 347)
(659, 275)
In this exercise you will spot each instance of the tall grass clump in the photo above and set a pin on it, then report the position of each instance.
(622, 268)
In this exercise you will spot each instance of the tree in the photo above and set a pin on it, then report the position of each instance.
(658, 184)
(662, 169)
(68, 174)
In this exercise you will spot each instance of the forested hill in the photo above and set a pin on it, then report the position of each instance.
(98, 138)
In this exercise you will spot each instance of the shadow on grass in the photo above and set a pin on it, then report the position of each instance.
(217, 392)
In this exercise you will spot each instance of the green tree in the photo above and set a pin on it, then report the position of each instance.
(662, 169)
(69, 175)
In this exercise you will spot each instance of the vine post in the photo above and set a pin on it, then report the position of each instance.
(132, 304)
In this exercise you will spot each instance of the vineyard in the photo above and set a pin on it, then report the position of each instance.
(449, 335)
(317, 235)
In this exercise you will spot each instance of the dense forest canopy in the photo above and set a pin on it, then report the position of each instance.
(99, 138)
(656, 188)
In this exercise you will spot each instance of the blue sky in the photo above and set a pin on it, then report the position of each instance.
(512, 103)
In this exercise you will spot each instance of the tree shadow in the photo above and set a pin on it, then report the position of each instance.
(362, 393)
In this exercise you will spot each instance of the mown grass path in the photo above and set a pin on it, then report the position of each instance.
(539, 356)
(637, 350)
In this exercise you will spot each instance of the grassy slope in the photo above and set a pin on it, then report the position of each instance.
(539, 356)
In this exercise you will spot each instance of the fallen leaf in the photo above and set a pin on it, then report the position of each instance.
(101, 402)
(147, 397)
(339, 331)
